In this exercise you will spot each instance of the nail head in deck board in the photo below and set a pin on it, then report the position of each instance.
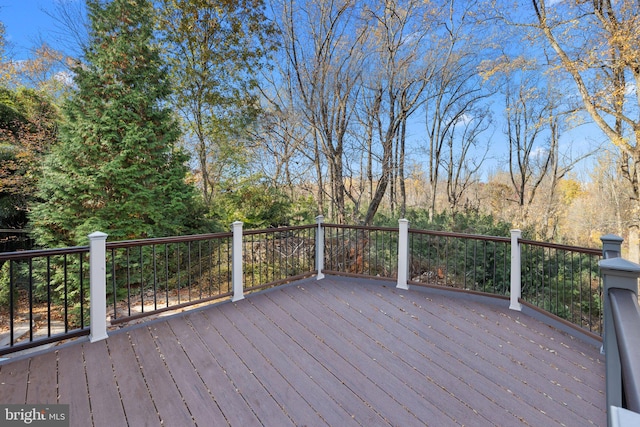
(13, 381)
(164, 393)
(234, 407)
(72, 384)
(106, 407)
(135, 395)
(203, 408)
(259, 398)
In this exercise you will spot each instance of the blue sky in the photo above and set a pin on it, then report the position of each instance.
(26, 22)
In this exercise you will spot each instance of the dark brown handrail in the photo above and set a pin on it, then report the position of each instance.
(162, 240)
(278, 230)
(588, 251)
(33, 253)
(462, 235)
(361, 227)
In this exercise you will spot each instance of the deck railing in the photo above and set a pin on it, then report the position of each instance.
(557, 279)
(44, 297)
(275, 256)
(149, 276)
(472, 263)
(360, 251)
(621, 335)
(564, 281)
(435, 258)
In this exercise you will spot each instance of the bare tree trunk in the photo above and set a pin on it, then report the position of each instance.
(634, 243)
(403, 190)
(320, 180)
(392, 181)
(381, 188)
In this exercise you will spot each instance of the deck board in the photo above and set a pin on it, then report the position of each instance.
(135, 395)
(448, 355)
(241, 376)
(399, 356)
(346, 352)
(391, 376)
(162, 388)
(230, 402)
(43, 382)
(106, 403)
(283, 361)
(303, 354)
(349, 370)
(194, 392)
(72, 384)
(475, 350)
(257, 359)
(14, 378)
(558, 382)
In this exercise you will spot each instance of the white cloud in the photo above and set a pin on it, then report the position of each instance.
(65, 77)
(464, 119)
(538, 152)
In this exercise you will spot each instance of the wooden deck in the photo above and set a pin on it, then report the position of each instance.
(335, 352)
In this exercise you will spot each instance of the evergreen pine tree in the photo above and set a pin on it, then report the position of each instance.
(116, 168)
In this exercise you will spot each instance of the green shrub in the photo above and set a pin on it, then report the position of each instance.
(5, 286)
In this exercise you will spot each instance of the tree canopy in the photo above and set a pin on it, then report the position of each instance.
(181, 111)
(215, 50)
(116, 167)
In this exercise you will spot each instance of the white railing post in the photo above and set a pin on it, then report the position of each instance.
(611, 252)
(236, 262)
(516, 270)
(611, 248)
(320, 247)
(98, 285)
(403, 254)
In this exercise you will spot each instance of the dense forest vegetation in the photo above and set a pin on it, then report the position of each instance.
(179, 116)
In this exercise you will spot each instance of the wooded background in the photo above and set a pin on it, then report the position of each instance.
(147, 118)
